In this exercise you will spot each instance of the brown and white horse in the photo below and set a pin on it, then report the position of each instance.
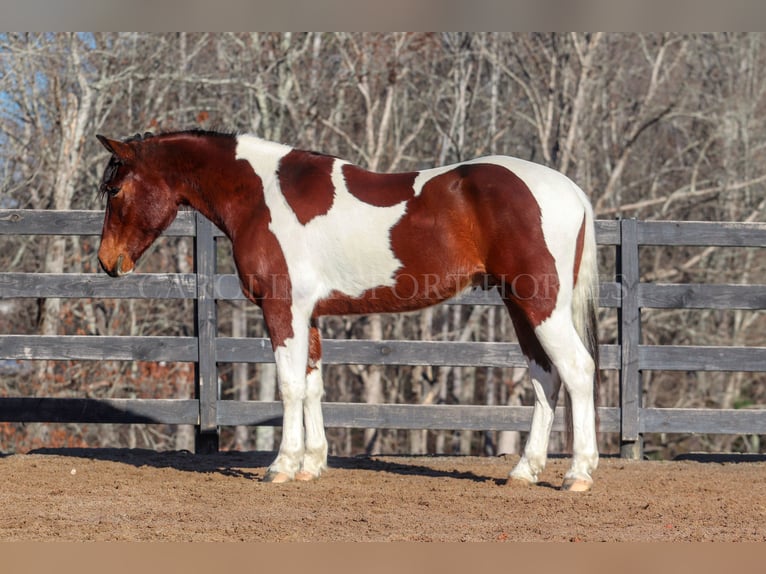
(315, 235)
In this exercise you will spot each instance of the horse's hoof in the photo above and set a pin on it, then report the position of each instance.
(518, 482)
(577, 485)
(276, 477)
(306, 476)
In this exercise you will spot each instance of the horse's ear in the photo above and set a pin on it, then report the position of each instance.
(122, 150)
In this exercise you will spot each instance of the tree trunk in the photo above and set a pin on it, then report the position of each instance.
(372, 377)
(74, 117)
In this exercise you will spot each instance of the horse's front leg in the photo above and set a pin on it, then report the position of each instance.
(289, 331)
(315, 455)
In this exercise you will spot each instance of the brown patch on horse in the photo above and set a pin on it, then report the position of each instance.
(578, 250)
(264, 277)
(315, 348)
(477, 224)
(378, 189)
(261, 266)
(528, 341)
(517, 253)
(306, 182)
(506, 240)
(431, 238)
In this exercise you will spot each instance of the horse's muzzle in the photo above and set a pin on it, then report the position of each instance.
(116, 270)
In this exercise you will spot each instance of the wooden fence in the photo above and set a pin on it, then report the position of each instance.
(206, 349)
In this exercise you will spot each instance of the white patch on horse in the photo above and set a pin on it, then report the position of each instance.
(264, 156)
(348, 249)
(427, 175)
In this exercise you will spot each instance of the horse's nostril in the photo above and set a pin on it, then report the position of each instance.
(115, 271)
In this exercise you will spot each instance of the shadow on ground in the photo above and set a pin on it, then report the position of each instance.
(721, 457)
(252, 464)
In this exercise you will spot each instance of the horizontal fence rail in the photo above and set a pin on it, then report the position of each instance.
(624, 292)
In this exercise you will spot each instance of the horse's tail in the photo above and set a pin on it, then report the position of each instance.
(584, 307)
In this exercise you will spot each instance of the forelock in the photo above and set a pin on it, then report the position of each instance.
(110, 172)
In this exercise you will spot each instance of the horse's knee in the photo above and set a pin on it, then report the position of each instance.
(293, 390)
(314, 384)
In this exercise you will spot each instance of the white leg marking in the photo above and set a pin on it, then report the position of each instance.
(562, 344)
(291, 362)
(535, 455)
(315, 456)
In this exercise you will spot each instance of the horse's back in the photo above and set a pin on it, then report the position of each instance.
(552, 190)
(503, 198)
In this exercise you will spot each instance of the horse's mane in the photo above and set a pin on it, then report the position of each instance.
(191, 132)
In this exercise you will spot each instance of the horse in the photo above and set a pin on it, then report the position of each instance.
(315, 235)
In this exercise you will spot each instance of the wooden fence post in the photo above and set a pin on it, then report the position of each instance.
(206, 327)
(628, 275)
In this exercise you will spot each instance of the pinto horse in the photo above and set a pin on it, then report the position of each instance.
(315, 235)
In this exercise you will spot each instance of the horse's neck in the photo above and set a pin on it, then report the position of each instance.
(225, 190)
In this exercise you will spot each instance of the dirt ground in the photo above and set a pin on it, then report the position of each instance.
(134, 495)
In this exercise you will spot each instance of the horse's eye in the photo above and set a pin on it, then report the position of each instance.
(112, 191)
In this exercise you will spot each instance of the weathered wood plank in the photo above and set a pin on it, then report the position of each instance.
(356, 351)
(93, 348)
(364, 352)
(701, 296)
(89, 222)
(76, 410)
(258, 350)
(183, 286)
(436, 353)
(397, 416)
(245, 350)
(697, 358)
(227, 287)
(712, 421)
(50, 222)
(78, 285)
(732, 234)
(608, 231)
(609, 296)
(74, 222)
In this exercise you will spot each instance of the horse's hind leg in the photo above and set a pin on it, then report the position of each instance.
(557, 335)
(546, 383)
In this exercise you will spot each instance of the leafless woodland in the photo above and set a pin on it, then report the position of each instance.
(654, 126)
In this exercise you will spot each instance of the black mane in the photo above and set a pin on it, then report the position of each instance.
(110, 171)
(191, 131)
(197, 132)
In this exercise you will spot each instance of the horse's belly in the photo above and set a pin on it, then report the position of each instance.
(410, 292)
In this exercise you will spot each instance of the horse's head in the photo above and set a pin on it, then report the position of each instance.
(140, 204)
